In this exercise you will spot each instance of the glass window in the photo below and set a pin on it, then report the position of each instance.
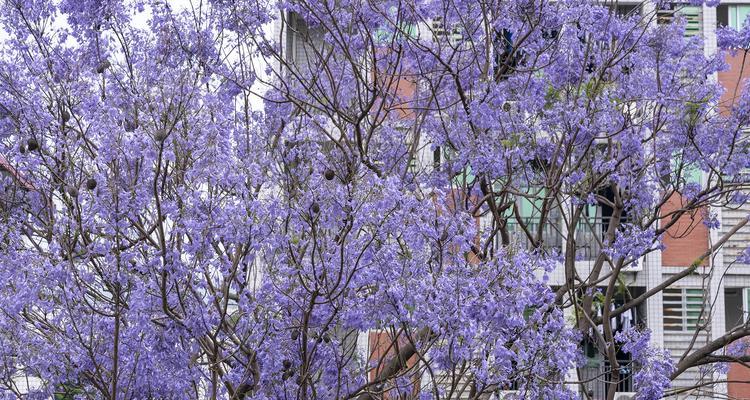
(732, 15)
(692, 15)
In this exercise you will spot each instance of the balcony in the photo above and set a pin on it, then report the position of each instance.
(598, 375)
(588, 235)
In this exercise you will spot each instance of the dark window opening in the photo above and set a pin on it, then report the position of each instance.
(722, 15)
(733, 308)
(626, 10)
(507, 57)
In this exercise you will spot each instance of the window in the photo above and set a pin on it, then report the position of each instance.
(442, 32)
(626, 10)
(735, 304)
(303, 42)
(506, 58)
(742, 176)
(529, 208)
(732, 15)
(594, 223)
(692, 15)
(684, 309)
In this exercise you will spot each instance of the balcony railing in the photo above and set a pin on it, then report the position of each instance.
(588, 235)
(599, 376)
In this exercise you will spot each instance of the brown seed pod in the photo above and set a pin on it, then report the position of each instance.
(64, 115)
(287, 364)
(287, 374)
(160, 135)
(91, 184)
(329, 174)
(32, 144)
(102, 66)
(507, 106)
(130, 125)
(22, 148)
(315, 208)
(72, 191)
(295, 334)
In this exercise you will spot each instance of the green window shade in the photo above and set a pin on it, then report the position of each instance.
(530, 206)
(683, 309)
(693, 18)
(737, 15)
(690, 173)
(466, 177)
(383, 35)
(692, 15)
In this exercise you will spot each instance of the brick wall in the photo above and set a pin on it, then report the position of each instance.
(383, 349)
(687, 239)
(737, 376)
(732, 79)
(739, 381)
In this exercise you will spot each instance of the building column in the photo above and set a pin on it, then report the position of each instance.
(654, 313)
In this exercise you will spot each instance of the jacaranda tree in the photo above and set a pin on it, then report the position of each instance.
(197, 206)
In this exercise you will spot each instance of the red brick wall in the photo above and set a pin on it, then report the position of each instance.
(381, 352)
(739, 381)
(739, 70)
(734, 78)
(687, 239)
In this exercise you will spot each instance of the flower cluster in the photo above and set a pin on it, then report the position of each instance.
(654, 366)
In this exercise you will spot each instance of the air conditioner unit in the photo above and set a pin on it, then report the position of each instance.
(625, 396)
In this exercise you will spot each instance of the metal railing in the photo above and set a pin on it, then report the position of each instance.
(588, 235)
(599, 376)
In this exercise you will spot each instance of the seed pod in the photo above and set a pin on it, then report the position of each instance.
(4, 112)
(130, 126)
(102, 66)
(287, 374)
(160, 135)
(295, 334)
(72, 191)
(91, 184)
(287, 364)
(326, 338)
(32, 144)
(507, 106)
(315, 208)
(329, 174)
(22, 148)
(549, 33)
(590, 67)
(65, 116)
